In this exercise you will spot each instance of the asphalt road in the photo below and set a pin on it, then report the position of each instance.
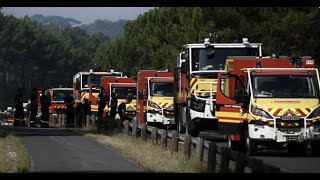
(57, 150)
(279, 158)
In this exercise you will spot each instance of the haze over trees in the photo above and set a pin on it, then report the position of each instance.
(39, 55)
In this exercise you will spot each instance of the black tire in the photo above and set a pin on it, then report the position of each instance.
(234, 145)
(315, 148)
(248, 145)
(251, 147)
(193, 128)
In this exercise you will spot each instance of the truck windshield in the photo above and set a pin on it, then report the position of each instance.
(123, 92)
(90, 79)
(201, 61)
(161, 89)
(284, 86)
(59, 95)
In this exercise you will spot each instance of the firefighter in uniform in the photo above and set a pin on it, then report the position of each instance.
(33, 106)
(19, 114)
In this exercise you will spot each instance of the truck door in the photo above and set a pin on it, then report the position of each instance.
(232, 99)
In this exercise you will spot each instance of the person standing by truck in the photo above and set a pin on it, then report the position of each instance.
(18, 115)
(33, 106)
(122, 109)
(102, 104)
(45, 103)
(69, 100)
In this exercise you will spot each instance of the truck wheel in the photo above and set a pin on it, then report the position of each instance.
(297, 149)
(315, 148)
(192, 126)
(234, 145)
(193, 129)
(250, 146)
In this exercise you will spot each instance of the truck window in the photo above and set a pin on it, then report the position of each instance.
(200, 60)
(284, 86)
(161, 89)
(124, 92)
(90, 79)
(233, 87)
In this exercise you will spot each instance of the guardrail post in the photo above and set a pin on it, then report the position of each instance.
(134, 129)
(50, 120)
(212, 157)
(53, 120)
(164, 139)
(225, 158)
(112, 124)
(119, 126)
(63, 120)
(199, 149)
(187, 146)
(126, 127)
(174, 141)
(60, 120)
(56, 120)
(87, 121)
(240, 163)
(93, 121)
(154, 136)
(144, 132)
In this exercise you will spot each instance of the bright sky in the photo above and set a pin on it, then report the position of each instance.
(84, 14)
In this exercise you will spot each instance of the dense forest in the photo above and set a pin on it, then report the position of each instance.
(37, 55)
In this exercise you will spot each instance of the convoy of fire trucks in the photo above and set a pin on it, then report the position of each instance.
(230, 88)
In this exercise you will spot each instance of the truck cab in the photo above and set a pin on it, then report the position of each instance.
(155, 98)
(196, 74)
(58, 95)
(270, 103)
(83, 80)
(122, 87)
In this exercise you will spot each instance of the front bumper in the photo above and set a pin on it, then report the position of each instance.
(164, 119)
(284, 134)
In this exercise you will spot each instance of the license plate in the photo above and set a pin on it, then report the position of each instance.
(290, 118)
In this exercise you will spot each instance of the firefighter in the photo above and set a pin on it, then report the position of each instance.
(86, 108)
(122, 108)
(45, 103)
(69, 100)
(19, 114)
(102, 104)
(33, 106)
(113, 109)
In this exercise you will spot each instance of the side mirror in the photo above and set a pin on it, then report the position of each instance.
(184, 68)
(184, 56)
(141, 96)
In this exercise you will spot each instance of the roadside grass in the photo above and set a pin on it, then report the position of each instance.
(152, 158)
(13, 156)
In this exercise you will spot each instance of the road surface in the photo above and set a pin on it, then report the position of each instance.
(57, 150)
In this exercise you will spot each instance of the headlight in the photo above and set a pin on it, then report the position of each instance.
(315, 113)
(154, 105)
(261, 113)
(197, 105)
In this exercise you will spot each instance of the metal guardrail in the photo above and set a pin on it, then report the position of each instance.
(241, 160)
